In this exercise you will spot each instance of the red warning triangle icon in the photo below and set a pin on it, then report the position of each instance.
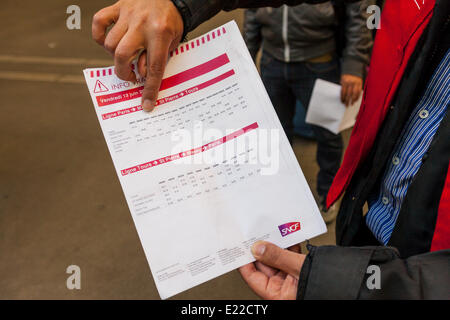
(100, 87)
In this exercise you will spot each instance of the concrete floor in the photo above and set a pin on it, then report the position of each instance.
(60, 200)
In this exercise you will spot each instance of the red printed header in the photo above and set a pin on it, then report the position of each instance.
(191, 152)
(194, 72)
(170, 98)
(166, 83)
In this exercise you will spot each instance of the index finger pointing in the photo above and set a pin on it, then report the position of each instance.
(102, 20)
(157, 55)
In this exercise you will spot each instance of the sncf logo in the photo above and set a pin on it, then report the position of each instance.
(289, 228)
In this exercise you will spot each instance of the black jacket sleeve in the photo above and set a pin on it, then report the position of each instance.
(359, 42)
(252, 32)
(332, 272)
(194, 12)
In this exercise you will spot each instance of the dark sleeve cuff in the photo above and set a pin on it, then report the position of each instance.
(329, 269)
(194, 12)
(353, 67)
(304, 273)
(183, 9)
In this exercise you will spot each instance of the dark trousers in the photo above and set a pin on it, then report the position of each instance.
(287, 82)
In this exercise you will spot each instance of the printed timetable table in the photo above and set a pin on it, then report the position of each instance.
(209, 168)
(197, 183)
(208, 110)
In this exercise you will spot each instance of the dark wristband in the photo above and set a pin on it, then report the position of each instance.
(185, 15)
(304, 273)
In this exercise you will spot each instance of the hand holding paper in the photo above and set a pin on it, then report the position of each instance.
(351, 88)
(151, 25)
(276, 272)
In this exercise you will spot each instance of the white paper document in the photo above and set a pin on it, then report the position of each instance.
(210, 170)
(326, 109)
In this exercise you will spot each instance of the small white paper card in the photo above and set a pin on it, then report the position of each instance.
(326, 109)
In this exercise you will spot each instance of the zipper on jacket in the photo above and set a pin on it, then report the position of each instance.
(284, 35)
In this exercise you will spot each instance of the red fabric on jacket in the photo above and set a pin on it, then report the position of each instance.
(402, 24)
(441, 237)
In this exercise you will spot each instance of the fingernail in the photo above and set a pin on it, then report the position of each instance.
(258, 249)
(148, 105)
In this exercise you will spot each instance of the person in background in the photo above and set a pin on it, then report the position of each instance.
(301, 44)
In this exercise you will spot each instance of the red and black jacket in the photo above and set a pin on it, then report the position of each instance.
(408, 48)
(423, 223)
